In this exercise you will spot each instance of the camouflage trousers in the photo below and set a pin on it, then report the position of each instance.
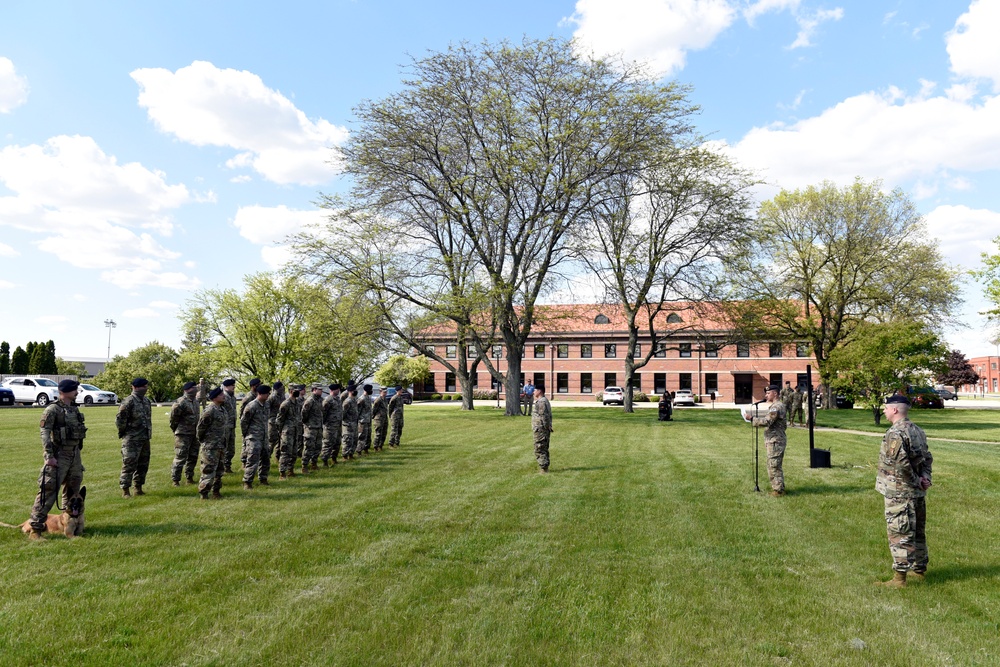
(542, 448)
(289, 451)
(256, 459)
(396, 432)
(331, 442)
(350, 439)
(775, 456)
(230, 453)
(300, 441)
(68, 474)
(274, 438)
(364, 436)
(905, 520)
(185, 456)
(213, 465)
(135, 462)
(797, 415)
(380, 433)
(313, 439)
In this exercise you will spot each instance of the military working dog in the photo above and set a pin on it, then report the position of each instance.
(70, 522)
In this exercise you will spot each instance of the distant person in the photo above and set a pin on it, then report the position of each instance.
(798, 400)
(212, 431)
(529, 397)
(774, 425)
(184, 424)
(380, 419)
(312, 425)
(365, 419)
(287, 421)
(135, 428)
(396, 404)
(229, 394)
(332, 427)
(350, 422)
(904, 475)
(274, 402)
(541, 428)
(666, 408)
(255, 455)
(786, 398)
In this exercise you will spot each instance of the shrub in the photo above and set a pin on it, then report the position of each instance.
(435, 397)
(481, 395)
(599, 396)
(639, 397)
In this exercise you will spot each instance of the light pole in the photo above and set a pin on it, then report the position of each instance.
(110, 324)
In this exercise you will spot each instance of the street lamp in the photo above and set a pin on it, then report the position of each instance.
(110, 324)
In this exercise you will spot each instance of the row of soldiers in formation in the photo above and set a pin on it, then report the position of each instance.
(793, 400)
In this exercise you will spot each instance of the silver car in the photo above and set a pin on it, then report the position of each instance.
(613, 395)
(89, 395)
(684, 397)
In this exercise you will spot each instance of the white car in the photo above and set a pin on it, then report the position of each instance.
(89, 395)
(30, 390)
(684, 397)
(613, 395)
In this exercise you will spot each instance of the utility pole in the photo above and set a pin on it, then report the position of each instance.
(110, 324)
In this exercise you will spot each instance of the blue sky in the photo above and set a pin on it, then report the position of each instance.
(151, 149)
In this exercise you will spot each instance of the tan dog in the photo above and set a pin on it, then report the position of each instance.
(70, 522)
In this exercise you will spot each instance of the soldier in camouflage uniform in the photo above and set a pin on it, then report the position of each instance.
(380, 419)
(213, 427)
(274, 402)
(798, 398)
(332, 416)
(774, 439)
(288, 421)
(541, 428)
(349, 407)
(365, 420)
(229, 393)
(312, 427)
(135, 427)
(904, 475)
(396, 416)
(184, 422)
(249, 396)
(786, 399)
(62, 431)
(300, 435)
(253, 425)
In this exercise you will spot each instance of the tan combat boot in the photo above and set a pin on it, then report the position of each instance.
(264, 482)
(190, 480)
(898, 581)
(305, 469)
(176, 482)
(314, 466)
(125, 493)
(776, 494)
(917, 577)
(216, 495)
(139, 491)
(247, 485)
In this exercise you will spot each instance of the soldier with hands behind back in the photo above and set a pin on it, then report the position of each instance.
(135, 428)
(184, 423)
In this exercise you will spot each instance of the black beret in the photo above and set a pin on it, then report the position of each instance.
(67, 386)
(190, 385)
(140, 382)
(897, 398)
(254, 382)
(295, 393)
(212, 395)
(368, 388)
(228, 383)
(773, 387)
(278, 384)
(263, 389)
(334, 386)
(399, 387)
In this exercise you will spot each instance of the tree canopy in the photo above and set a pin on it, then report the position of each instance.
(403, 370)
(154, 361)
(958, 371)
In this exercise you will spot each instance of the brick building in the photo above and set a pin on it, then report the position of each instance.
(575, 351)
(989, 376)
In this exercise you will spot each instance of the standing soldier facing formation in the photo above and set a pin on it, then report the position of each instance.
(184, 423)
(380, 419)
(287, 421)
(350, 421)
(786, 398)
(312, 424)
(135, 428)
(775, 425)
(541, 427)
(332, 415)
(253, 425)
(228, 391)
(396, 417)
(798, 398)
(365, 420)
(62, 432)
(213, 429)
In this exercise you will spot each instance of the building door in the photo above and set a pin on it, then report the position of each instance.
(743, 388)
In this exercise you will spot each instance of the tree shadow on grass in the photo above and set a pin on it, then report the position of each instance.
(961, 572)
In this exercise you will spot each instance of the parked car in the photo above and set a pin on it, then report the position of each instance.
(89, 394)
(613, 395)
(683, 397)
(924, 397)
(30, 390)
(946, 394)
(6, 396)
(407, 396)
(840, 402)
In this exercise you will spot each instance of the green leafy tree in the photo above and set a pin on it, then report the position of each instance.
(19, 361)
(880, 358)
(156, 362)
(50, 366)
(4, 358)
(403, 370)
(825, 260)
(76, 368)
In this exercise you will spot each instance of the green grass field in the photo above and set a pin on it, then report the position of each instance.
(978, 425)
(645, 545)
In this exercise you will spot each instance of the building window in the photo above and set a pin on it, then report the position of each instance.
(431, 349)
(562, 383)
(674, 318)
(774, 349)
(471, 353)
(494, 383)
(993, 365)
(610, 351)
(685, 381)
(637, 382)
(638, 351)
(451, 351)
(449, 382)
(712, 382)
(586, 383)
(661, 350)
(539, 381)
(429, 383)
(711, 349)
(776, 379)
(602, 319)
(475, 380)
(742, 349)
(586, 351)
(497, 351)
(802, 349)
(562, 351)
(685, 349)
(610, 380)
(659, 383)
(539, 351)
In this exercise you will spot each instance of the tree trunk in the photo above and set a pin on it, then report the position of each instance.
(627, 390)
(878, 415)
(512, 383)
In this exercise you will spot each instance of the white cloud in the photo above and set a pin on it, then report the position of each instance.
(265, 224)
(963, 233)
(810, 21)
(163, 305)
(6, 284)
(207, 106)
(7, 251)
(973, 45)
(13, 88)
(131, 278)
(658, 31)
(140, 313)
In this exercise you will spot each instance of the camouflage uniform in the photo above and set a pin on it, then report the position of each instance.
(785, 396)
(62, 432)
(256, 455)
(249, 396)
(274, 402)
(350, 425)
(300, 441)
(541, 427)
(774, 442)
(288, 421)
(364, 422)
(212, 431)
(135, 428)
(184, 422)
(332, 415)
(380, 420)
(230, 407)
(903, 460)
(312, 425)
(798, 398)
(396, 418)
